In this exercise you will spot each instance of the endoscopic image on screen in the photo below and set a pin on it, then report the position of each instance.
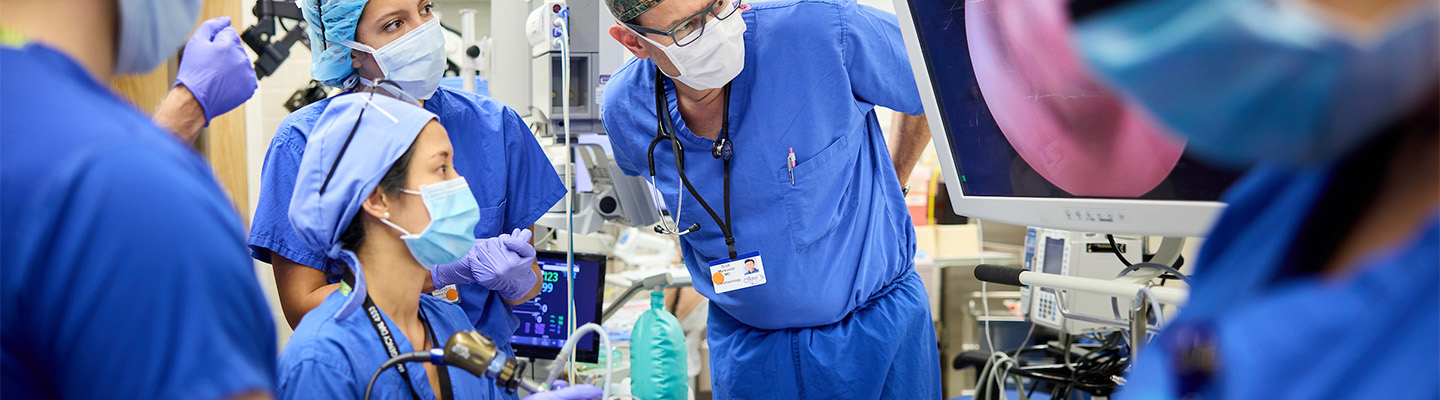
(1025, 118)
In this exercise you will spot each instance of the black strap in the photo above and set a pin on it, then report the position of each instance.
(445, 391)
(725, 139)
(665, 129)
(388, 340)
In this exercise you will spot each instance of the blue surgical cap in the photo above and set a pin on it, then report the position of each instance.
(330, 61)
(387, 130)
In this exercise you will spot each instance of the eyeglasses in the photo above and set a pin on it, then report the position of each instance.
(384, 87)
(689, 29)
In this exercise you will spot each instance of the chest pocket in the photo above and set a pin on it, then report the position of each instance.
(492, 220)
(819, 199)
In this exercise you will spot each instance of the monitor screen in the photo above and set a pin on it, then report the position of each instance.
(1026, 119)
(1054, 256)
(542, 330)
(1017, 115)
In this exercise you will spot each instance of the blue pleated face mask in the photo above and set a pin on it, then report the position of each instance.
(151, 31)
(453, 216)
(1264, 80)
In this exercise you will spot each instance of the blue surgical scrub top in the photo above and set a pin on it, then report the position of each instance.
(508, 172)
(124, 269)
(814, 72)
(328, 358)
(1280, 334)
(837, 244)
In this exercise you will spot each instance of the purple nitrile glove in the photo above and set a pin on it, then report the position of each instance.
(563, 392)
(215, 69)
(501, 263)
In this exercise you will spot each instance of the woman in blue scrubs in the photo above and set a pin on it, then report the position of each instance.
(801, 182)
(354, 42)
(379, 190)
(1322, 277)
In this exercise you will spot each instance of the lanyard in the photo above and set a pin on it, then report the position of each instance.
(391, 348)
(665, 129)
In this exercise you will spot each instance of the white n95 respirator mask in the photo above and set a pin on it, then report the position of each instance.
(415, 61)
(714, 58)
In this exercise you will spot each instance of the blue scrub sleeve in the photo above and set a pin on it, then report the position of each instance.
(270, 231)
(877, 62)
(623, 111)
(168, 305)
(320, 376)
(533, 186)
(626, 158)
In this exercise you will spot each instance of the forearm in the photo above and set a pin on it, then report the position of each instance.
(909, 135)
(180, 113)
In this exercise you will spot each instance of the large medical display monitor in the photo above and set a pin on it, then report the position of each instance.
(1026, 135)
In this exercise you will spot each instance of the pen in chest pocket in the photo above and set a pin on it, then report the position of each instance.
(790, 163)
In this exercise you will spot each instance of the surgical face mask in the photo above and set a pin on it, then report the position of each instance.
(453, 216)
(1253, 80)
(415, 61)
(712, 59)
(151, 31)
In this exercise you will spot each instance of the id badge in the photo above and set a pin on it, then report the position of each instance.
(449, 293)
(743, 272)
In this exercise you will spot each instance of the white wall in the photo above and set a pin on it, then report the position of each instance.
(263, 114)
(450, 14)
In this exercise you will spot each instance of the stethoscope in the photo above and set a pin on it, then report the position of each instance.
(723, 150)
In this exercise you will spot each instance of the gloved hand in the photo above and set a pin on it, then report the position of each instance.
(563, 392)
(215, 69)
(501, 263)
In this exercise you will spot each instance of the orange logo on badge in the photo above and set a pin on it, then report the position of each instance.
(719, 278)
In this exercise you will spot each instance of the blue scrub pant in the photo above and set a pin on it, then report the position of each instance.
(885, 349)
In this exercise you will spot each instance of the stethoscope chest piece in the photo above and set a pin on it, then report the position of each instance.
(722, 149)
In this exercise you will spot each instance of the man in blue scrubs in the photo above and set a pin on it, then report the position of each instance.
(123, 265)
(1322, 277)
(788, 90)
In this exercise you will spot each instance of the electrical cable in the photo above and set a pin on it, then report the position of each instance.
(1166, 268)
(1115, 248)
(984, 292)
(1005, 362)
(418, 356)
(1115, 304)
(1095, 368)
(1092, 371)
(567, 353)
(1034, 383)
(563, 23)
(1154, 304)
